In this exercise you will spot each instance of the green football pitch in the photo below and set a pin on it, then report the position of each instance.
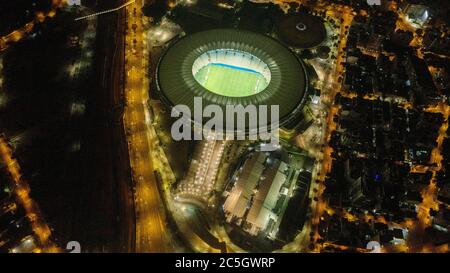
(229, 81)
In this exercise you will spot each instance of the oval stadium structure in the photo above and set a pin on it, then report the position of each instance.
(301, 30)
(231, 66)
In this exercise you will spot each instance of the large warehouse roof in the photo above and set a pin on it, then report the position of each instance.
(177, 85)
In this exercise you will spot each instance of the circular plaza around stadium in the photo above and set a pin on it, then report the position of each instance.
(232, 67)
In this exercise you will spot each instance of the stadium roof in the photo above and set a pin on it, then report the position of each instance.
(301, 30)
(177, 85)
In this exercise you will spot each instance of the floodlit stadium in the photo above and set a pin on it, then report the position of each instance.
(230, 66)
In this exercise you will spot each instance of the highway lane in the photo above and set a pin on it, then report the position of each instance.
(150, 212)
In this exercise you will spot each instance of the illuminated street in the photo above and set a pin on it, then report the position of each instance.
(150, 223)
(40, 227)
(19, 34)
